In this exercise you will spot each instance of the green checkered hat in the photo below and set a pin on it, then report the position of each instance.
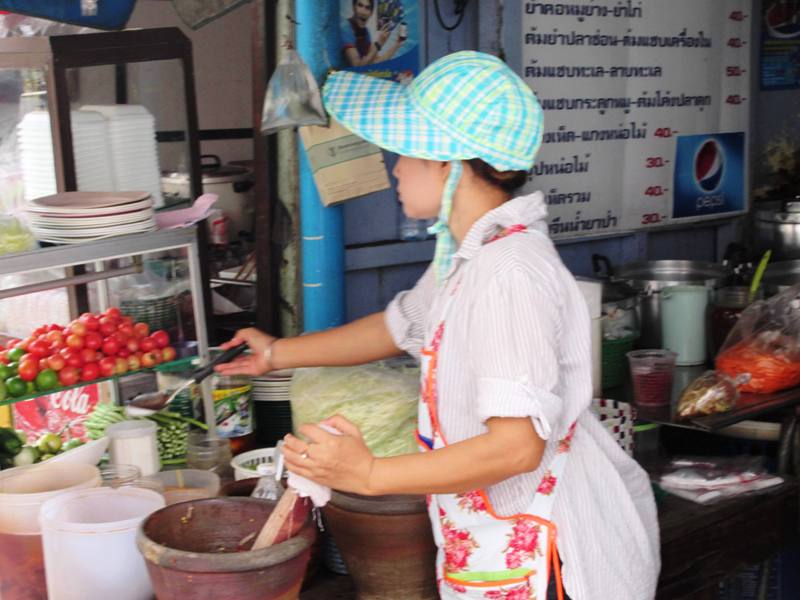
(465, 105)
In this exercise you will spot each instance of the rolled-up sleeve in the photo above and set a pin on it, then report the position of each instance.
(405, 314)
(513, 350)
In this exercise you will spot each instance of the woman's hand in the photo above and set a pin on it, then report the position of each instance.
(258, 362)
(341, 461)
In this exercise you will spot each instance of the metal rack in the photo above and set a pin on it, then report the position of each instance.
(99, 254)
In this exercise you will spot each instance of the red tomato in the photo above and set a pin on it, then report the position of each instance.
(55, 336)
(75, 341)
(161, 338)
(43, 364)
(147, 344)
(149, 360)
(108, 366)
(78, 328)
(12, 343)
(4, 357)
(126, 329)
(89, 355)
(25, 343)
(113, 312)
(54, 327)
(110, 346)
(39, 331)
(134, 363)
(158, 355)
(120, 337)
(122, 365)
(107, 326)
(56, 362)
(29, 369)
(133, 344)
(123, 352)
(39, 348)
(141, 329)
(169, 354)
(72, 357)
(90, 371)
(93, 340)
(126, 320)
(91, 322)
(68, 376)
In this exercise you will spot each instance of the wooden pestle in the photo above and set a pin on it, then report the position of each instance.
(277, 518)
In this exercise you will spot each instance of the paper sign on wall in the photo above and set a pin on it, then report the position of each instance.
(344, 165)
(646, 108)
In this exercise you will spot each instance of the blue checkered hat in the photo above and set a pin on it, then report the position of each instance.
(463, 106)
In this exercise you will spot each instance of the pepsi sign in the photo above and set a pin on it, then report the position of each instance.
(709, 175)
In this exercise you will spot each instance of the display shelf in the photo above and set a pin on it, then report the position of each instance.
(179, 362)
(98, 254)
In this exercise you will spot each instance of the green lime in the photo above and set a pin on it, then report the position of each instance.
(13, 368)
(49, 443)
(46, 380)
(16, 387)
(31, 388)
(15, 354)
(46, 456)
(6, 372)
(2, 390)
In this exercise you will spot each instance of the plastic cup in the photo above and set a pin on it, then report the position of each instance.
(652, 372)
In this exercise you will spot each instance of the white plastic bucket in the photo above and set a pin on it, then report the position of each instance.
(89, 539)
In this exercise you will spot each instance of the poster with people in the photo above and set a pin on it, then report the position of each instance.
(381, 38)
(780, 45)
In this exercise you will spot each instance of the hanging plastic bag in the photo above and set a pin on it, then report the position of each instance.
(293, 97)
(765, 343)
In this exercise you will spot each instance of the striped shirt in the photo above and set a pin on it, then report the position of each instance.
(517, 344)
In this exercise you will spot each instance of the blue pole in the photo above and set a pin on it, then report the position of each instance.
(321, 228)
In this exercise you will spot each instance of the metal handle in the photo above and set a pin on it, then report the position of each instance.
(226, 356)
(216, 161)
(598, 262)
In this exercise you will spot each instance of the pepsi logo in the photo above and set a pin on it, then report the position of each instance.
(709, 166)
(783, 20)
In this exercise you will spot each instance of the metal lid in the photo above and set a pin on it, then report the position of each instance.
(652, 276)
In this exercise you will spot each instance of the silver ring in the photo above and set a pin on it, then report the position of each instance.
(304, 455)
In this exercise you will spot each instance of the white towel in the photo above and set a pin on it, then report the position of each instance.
(305, 488)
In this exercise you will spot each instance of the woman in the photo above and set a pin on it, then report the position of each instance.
(510, 452)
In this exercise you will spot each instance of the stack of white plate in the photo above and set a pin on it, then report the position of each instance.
(90, 143)
(273, 408)
(132, 137)
(273, 387)
(74, 217)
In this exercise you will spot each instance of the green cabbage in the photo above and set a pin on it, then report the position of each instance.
(380, 398)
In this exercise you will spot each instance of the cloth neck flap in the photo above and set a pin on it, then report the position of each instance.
(445, 243)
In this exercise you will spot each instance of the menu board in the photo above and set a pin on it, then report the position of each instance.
(646, 110)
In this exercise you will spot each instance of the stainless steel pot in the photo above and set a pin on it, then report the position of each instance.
(650, 277)
(780, 276)
(777, 228)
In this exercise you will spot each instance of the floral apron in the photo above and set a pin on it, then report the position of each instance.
(483, 555)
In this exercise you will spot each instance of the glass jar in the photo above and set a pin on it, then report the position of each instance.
(115, 476)
(209, 454)
(723, 313)
(170, 378)
(233, 408)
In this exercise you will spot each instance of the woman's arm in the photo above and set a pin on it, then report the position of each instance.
(359, 342)
(510, 447)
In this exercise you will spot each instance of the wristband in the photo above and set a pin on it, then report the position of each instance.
(267, 354)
